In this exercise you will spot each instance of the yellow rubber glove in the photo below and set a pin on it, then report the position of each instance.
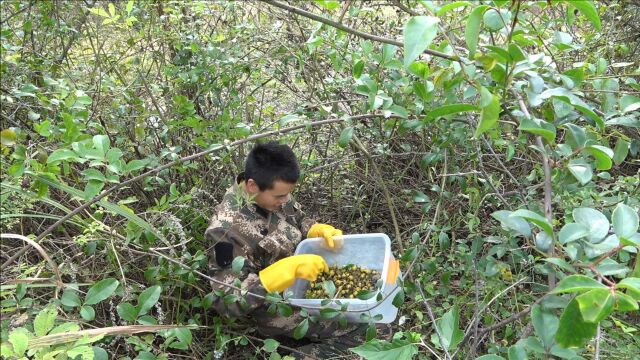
(327, 232)
(281, 274)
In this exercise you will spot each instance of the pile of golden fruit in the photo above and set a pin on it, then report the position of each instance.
(349, 281)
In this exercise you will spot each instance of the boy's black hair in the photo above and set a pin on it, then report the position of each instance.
(269, 162)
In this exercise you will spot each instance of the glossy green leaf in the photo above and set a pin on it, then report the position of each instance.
(101, 290)
(517, 224)
(19, 339)
(596, 223)
(573, 330)
(543, 241)
(301, 330)
(357, 69)
(625, 221)
(270, 345)
(45, 320)
(148, 298)
(629, 103)
(620, 151)
(578, 135)
(328, 4)
(60, 155)
(572, 232)
(588, 9)
(450, 109)
(449, 329)
(382, 350)
(568, 97)
(577, 283)
(539, 127)
(496, 19)
(624, 302)
(418, 34)
(451, 6)
(595, 305)
(87, 312)
(237, 264)
(488, 116)
(581, 170)
(472, 28)
(517, 352)
(603, 156)
(345, 137)
(535, 218)
(127, 312)
(545, 324)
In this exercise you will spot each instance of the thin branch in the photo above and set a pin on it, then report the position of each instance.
(345, 28)
(433, 320)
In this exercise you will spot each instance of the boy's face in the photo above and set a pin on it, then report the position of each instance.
(270, 199)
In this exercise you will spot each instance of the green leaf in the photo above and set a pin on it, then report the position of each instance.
(357, 69)
(87, 312)
(184, 335)
(624, 302)
(539, 127)
(8, 137)
(517, 352)
(568, 97)
(630, 121)
(19, 339)
(450, 6)
(629, 103)
(603, 156)
(620, 151)
(488, 116)
(237, 264)
(595, 305)
(382, 350)
(398, 299)
(561, 263)
(301, 330)
(450, 109)
(65, 328)
(490, 357)
(99, 11)
(148, 298)
(578, 135)
(495, 19)
(83, 351)
(61, 154)
(535, 218)
(70, 298)
(127, 312)
(596, 223)
(101, 290)
(328, 4)
(345, 137)
(573, 330)
(572, 232)
(588, 10)
(101, 143)
(45, 320)
(270, 345)
(99, 353)
(513, 223)
(577, 283)
(418, 34)
(328, 313)
(449, 329)
(472, 29)
(581, 170)
(420, 197)
(545, 325)
(625, 221)
(631, 283)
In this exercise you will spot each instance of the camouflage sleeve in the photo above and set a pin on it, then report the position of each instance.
(231, 302)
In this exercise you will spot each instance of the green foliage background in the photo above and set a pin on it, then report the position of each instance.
(451, 126)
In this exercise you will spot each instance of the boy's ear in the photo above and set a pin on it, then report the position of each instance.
(252, 186)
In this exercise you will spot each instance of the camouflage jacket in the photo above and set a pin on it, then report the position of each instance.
(241, 228)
